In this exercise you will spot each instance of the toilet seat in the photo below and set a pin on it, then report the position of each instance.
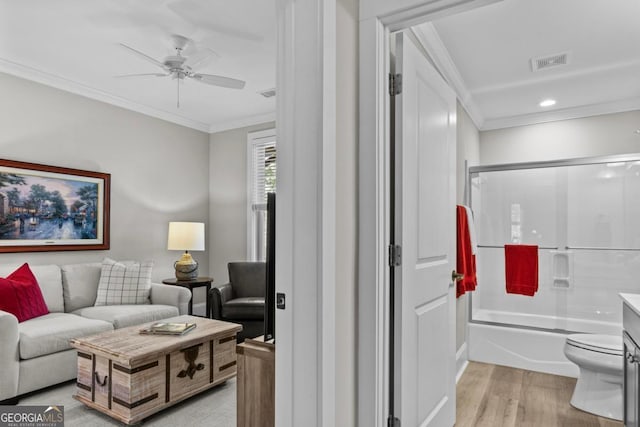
(607, 344)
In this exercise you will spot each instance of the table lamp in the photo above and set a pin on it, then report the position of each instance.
(186, 236)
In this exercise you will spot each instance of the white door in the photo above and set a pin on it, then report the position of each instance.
(425, 144)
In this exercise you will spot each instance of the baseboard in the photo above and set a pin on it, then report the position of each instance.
(13, 401)
(462, 361)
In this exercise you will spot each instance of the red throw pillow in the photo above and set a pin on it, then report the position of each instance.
(21, 296)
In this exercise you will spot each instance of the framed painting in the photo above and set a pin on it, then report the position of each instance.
(49, 208)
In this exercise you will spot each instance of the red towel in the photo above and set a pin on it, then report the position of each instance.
(466, 261)
(521, 269)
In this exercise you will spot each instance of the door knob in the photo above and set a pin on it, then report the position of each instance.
(456, 277)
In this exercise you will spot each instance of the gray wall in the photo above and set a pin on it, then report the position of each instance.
(468, 148)
(346, 210)
(228, 199)
(589, 136)
(159, 171)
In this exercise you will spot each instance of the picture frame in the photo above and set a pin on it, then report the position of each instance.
(50, 208)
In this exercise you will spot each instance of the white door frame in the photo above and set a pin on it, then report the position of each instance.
(305, 220)
(378, 18)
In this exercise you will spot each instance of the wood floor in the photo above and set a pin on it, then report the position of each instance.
(494, 396)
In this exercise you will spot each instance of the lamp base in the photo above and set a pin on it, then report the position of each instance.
(186, 267)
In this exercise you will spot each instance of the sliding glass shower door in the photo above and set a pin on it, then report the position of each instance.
(584, 215)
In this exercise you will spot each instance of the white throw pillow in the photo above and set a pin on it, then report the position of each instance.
(121, 283)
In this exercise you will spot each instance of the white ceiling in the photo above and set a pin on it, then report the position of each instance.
(487, 52)
(74, 45)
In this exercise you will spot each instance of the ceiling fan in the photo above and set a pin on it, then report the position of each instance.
(179, 67)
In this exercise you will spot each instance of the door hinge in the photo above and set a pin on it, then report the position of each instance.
(395, 255)
(393, 421)
(395, 84)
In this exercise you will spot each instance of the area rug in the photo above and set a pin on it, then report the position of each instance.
(215, 407)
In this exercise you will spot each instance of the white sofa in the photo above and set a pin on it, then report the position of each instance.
(36, 353)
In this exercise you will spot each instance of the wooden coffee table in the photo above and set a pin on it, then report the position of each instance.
(129, 376)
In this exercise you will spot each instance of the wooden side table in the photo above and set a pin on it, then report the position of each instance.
(256, 383)
(194, 283)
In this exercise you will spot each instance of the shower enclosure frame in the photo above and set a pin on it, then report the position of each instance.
(582, 161)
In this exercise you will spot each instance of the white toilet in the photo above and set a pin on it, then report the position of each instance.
(599, 386)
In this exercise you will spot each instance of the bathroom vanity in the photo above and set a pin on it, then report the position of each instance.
(631, 340)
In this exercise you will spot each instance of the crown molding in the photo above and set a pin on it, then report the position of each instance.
(629, 104)
(240, 123)
(48, 79)
(428, 36)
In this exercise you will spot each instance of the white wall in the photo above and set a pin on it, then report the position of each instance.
(228, 199)
(346, 209)
(468, 148)
(159, 171)
(589, 136)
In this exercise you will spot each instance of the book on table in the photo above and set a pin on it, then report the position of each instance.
(168, 328)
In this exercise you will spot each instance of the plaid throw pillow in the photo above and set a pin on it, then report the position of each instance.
(124, 283)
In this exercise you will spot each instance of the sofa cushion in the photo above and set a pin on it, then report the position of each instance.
(127, 315)
(124, 284)
(51, 333)
(21, 296)
(80, 285)
(50, 282)
(244, 308)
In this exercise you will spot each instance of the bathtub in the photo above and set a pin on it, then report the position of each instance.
(496, 337)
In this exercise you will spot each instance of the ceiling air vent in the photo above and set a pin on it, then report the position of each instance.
(269, 93)
(549, 61)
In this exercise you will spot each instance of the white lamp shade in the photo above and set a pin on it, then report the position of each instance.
(186, 236)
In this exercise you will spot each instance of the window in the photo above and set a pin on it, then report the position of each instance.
(261, 149)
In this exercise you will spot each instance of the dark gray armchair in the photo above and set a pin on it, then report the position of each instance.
(242, 299)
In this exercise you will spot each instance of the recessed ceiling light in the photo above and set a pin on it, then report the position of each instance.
(548, 103)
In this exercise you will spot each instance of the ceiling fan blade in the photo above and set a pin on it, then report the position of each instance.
(143, 55)
(124, 76)
(201, 58)
(211, 79)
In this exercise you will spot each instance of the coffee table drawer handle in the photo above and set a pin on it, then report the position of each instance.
(103, 382)
(191, 370)
(190, 356)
